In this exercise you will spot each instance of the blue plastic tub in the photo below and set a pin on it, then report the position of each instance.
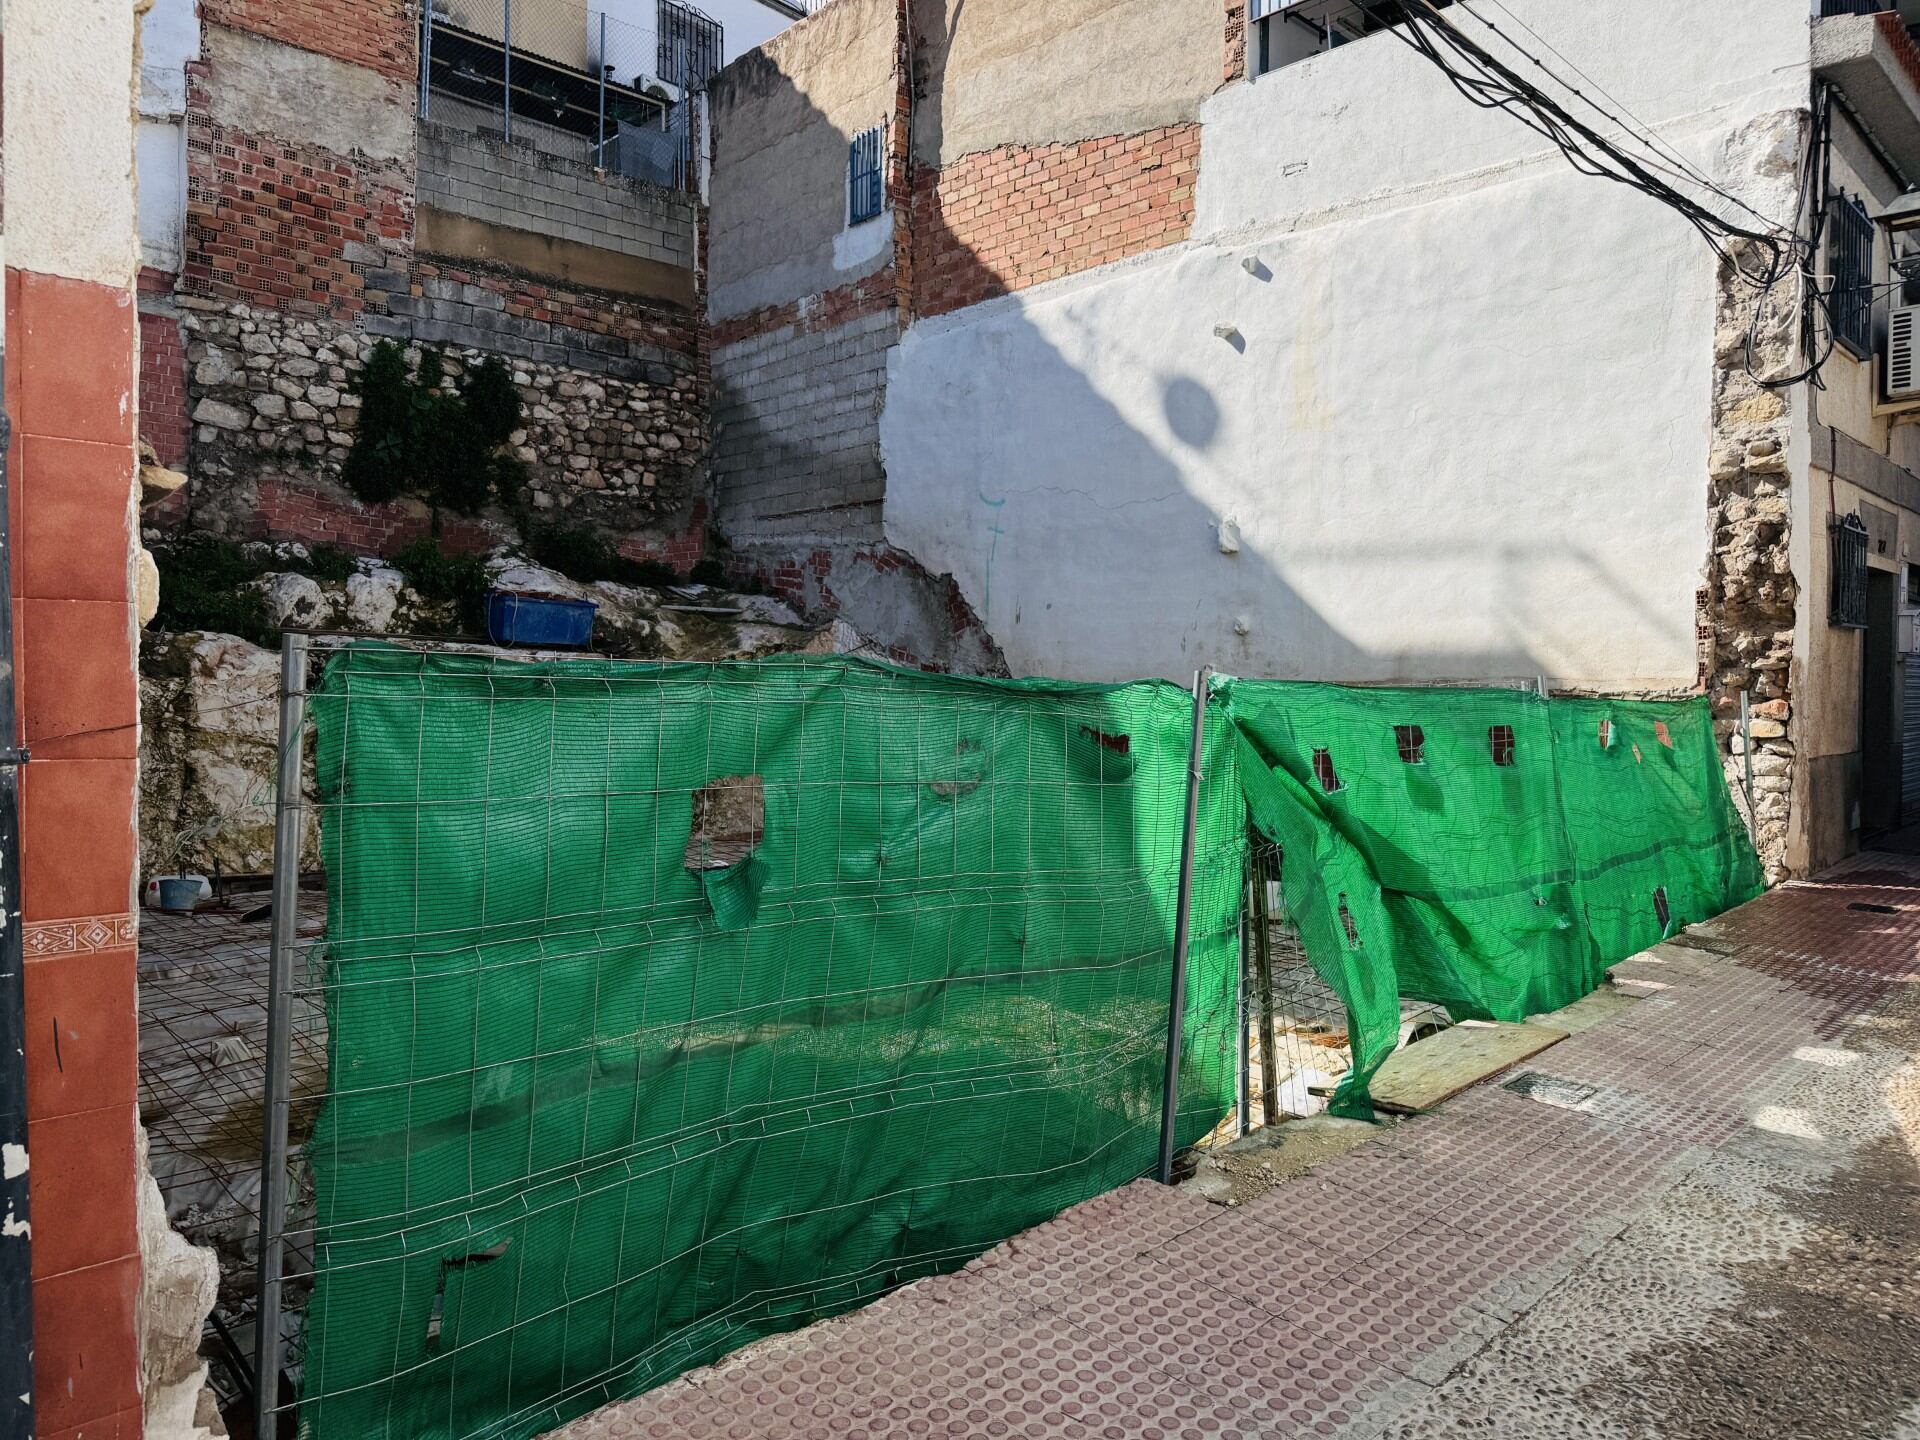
(543, 620)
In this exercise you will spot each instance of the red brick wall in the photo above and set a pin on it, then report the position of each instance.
(1233, 65)
(595, 311)
(376, 33)
(163, 375)
(878, 291)
(269, 222)
(321, 514)
(1006, 219)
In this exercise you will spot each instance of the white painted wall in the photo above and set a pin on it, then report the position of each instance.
(69, 139)
(1463, 423)
(169, 38)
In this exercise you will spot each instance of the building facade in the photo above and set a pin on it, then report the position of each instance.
(317, 179)
(1278, 355)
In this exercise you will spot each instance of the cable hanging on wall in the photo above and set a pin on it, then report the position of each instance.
(1765, 255)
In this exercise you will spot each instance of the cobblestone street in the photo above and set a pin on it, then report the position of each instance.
(1698, 1218)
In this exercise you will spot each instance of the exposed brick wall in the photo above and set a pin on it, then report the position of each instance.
(462, 303)
(1005, 219)
(163, 371)
(868, 296)
(291, 227)
(379, 34)
(1233, 65)
(317, 513)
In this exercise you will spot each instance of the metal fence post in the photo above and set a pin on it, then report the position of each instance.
(1182, 910)
(274, 1115)
(1746, 754)
(506, 67)
(1243, 1076)
(600, 150)
(426, 58)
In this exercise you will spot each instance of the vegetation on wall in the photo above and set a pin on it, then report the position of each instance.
(441, 577)
(206, 582)
(583, 555)
(418, 435)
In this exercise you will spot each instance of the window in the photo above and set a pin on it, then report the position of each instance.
(1852, 264)
(1847, 606)
(865, 193)
(1280, 32)
(1411, 741)
(1913, 585)
(1324, 772)
(1500, 742)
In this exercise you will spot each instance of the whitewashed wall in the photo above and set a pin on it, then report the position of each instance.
(169, 38)
(1461, 425)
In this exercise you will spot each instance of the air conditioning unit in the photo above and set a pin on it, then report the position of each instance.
(1903, 353)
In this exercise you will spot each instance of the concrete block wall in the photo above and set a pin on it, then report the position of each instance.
(796, 420)
(496, 181)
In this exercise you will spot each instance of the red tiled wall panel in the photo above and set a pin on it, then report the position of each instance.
(70, 374)
(1005, 219)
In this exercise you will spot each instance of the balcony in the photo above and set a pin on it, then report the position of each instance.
(1866, 50)
(608, 82)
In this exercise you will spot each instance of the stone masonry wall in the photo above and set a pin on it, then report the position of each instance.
(1747, 604)
(619, 445)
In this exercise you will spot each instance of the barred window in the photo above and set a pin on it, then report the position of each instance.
(1852, 261)
(865, 193)
(1847, 608)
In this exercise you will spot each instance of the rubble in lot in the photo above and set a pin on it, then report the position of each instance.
(209, 724)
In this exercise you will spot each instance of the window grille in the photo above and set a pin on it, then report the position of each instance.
(1852, 275)
(1849, 606)
(1411, 741)
(1500, 741)
(865, 194)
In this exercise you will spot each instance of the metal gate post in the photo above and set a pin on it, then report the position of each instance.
(426, 58)
(1746, 754)
(600, 149)
(1183, 907)
(506, 67)
(274, 1116)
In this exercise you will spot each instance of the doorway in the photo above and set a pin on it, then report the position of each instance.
(1879, 734)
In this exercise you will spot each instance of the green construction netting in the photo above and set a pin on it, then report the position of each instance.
(604, 1104)
(1488, 850)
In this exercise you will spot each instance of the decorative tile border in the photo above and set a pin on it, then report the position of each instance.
(89, 933)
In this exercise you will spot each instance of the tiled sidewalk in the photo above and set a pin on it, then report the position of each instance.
(1504, 1266)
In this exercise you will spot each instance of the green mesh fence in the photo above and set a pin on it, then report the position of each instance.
(669, 1006)
(1488, 850)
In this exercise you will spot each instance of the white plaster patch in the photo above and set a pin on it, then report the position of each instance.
(863, 243)
(13, 1160)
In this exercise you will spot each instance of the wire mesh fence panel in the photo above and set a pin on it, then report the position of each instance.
(671, 1005)
(1487, 850)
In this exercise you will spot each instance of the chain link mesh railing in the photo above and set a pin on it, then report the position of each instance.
(611, 84)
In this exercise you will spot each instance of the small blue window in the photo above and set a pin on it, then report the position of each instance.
(864, 190)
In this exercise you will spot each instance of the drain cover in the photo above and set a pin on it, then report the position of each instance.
(1551, 1090)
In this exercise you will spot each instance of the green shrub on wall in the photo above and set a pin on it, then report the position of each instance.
(418, 436)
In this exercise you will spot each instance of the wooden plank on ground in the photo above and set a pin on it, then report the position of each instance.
(1429, 1071)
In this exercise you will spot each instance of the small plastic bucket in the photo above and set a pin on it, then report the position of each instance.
(179, 893)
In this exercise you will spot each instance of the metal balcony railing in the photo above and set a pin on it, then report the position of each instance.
(612, 82)
(1855, 7)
